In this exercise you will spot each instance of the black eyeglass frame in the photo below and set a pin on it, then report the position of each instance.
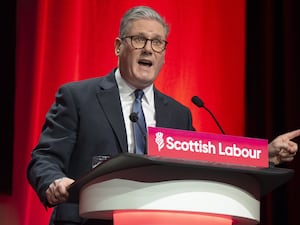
(145, 42)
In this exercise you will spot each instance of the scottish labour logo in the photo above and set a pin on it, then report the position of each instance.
(159, 140)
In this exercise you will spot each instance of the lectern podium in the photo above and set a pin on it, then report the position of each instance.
(140, 189)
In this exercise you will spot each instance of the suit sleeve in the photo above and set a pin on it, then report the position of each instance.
(50, 158)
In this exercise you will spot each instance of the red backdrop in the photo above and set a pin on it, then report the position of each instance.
(64, 40)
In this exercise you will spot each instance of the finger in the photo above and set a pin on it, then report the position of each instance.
(293, 134)
(288, 146)
(49, 193)
(62, 195)
(284, 154)
(52, 199)
(53, 195)
(57, 198)
(287, 155)
(62, 190)
(287, 159)
(293, 147)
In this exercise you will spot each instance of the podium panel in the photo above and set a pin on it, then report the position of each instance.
(124, 217)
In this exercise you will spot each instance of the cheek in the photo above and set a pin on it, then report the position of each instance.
(130, 58)
(126, 59)
(160, 61)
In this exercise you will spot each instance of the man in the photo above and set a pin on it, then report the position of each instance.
(91, 117)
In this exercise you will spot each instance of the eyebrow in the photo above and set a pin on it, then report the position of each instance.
(156, 36)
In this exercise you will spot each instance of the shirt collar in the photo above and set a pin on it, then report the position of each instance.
(128, 90)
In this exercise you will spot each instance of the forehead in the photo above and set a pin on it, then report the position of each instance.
(147, 27)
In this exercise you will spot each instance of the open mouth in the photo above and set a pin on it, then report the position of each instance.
(145, 62)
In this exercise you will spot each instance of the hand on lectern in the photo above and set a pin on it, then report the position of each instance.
(282, 148)
(57, 191)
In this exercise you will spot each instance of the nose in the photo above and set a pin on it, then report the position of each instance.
(147, 46)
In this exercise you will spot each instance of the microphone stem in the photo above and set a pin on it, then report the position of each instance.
(218, 124)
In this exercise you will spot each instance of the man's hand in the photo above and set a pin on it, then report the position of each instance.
(282, 149)
(57, 191)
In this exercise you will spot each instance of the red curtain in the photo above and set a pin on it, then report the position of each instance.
(64, 40)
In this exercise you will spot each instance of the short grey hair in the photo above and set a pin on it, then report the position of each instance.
(141, 12)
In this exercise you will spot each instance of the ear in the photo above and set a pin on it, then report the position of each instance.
(118, 43)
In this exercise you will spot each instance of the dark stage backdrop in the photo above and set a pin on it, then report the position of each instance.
(7, 92)
(248, 81)
(273, 93)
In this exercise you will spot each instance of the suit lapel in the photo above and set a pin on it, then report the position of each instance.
(162, 113)
(109, 100)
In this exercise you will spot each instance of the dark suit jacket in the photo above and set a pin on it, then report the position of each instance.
(86, 120)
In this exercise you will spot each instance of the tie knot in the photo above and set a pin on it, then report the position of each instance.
(138, 94)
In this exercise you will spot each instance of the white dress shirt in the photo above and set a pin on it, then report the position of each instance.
(127, 98)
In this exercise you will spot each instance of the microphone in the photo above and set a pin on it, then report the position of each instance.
(135, 119)
(198, 102)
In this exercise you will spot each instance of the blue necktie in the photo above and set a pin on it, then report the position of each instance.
(139, 127)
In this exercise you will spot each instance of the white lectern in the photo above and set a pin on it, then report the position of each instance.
(139, 189)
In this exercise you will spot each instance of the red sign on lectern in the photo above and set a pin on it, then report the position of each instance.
(216, 148)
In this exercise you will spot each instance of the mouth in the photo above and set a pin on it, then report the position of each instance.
(145, 62)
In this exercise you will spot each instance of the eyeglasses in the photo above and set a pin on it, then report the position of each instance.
(139, 42)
